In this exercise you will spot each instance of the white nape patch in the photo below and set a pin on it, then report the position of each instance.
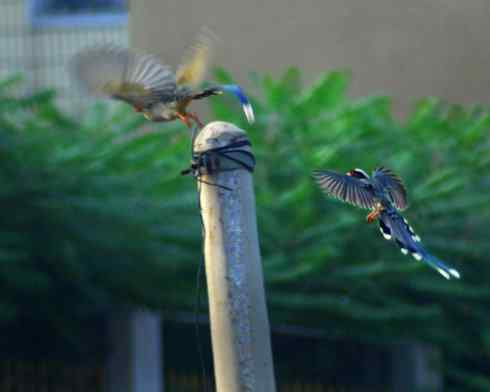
(362, 172)
(385, 235)
(249, 113)
(417, 256)
(404, 251)
(444, 273)
(454, 273)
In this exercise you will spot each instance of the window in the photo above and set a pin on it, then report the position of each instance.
(76, 13)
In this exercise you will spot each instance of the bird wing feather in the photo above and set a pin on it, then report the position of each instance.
(345, 188)
(138, 79)
(393, 184)
(195, 63)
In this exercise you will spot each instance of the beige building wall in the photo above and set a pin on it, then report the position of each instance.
(406, 49)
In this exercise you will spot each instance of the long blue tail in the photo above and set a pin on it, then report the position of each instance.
(440, 266)
(393, 226)
(246, 106)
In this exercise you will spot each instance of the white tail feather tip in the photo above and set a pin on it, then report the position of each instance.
(385, 235)
(417, 256)
(444, 273)
(249, 113)
(454, 273)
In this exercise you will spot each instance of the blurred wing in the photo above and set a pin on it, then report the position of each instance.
(394, 184)
(195, 64)
(345, 188)
(119, 73)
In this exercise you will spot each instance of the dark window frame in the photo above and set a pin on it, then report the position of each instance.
(38, 19)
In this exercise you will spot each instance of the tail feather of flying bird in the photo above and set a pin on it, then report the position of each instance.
(231, 89)
(394, 226)
(441, 267)
(242, 98)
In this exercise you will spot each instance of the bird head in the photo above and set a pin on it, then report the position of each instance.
(358, 173)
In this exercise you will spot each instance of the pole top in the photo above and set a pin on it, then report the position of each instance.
(218, 147)
(218, 134)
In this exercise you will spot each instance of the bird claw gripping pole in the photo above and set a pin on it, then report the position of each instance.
(239, 322)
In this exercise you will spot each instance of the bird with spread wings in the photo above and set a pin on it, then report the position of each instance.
(384, 194)
(150, 86)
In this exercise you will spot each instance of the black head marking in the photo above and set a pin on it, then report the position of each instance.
(358, 173)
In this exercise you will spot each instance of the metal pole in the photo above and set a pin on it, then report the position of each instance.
(238, 314)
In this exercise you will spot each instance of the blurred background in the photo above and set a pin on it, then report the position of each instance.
(100, 237)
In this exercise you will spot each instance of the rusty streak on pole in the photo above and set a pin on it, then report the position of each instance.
(238, 313)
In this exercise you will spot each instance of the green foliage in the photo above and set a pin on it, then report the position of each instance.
(325, 266)
(97, 216)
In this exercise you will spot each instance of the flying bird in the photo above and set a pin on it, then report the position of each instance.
(150, 86)
(384, 194)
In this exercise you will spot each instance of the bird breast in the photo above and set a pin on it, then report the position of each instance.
(161, 112)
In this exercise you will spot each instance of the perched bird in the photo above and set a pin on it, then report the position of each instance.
(150, 86)
(384, 194)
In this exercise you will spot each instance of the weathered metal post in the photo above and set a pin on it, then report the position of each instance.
(238, 314)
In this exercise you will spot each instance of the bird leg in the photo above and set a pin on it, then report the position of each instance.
(185, 118)
(374, 214)
(196, 119)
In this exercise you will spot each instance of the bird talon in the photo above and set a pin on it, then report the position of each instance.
(196, 119)
(185, 119)
(373, 215)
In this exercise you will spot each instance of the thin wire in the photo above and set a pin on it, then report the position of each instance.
(216, 185)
